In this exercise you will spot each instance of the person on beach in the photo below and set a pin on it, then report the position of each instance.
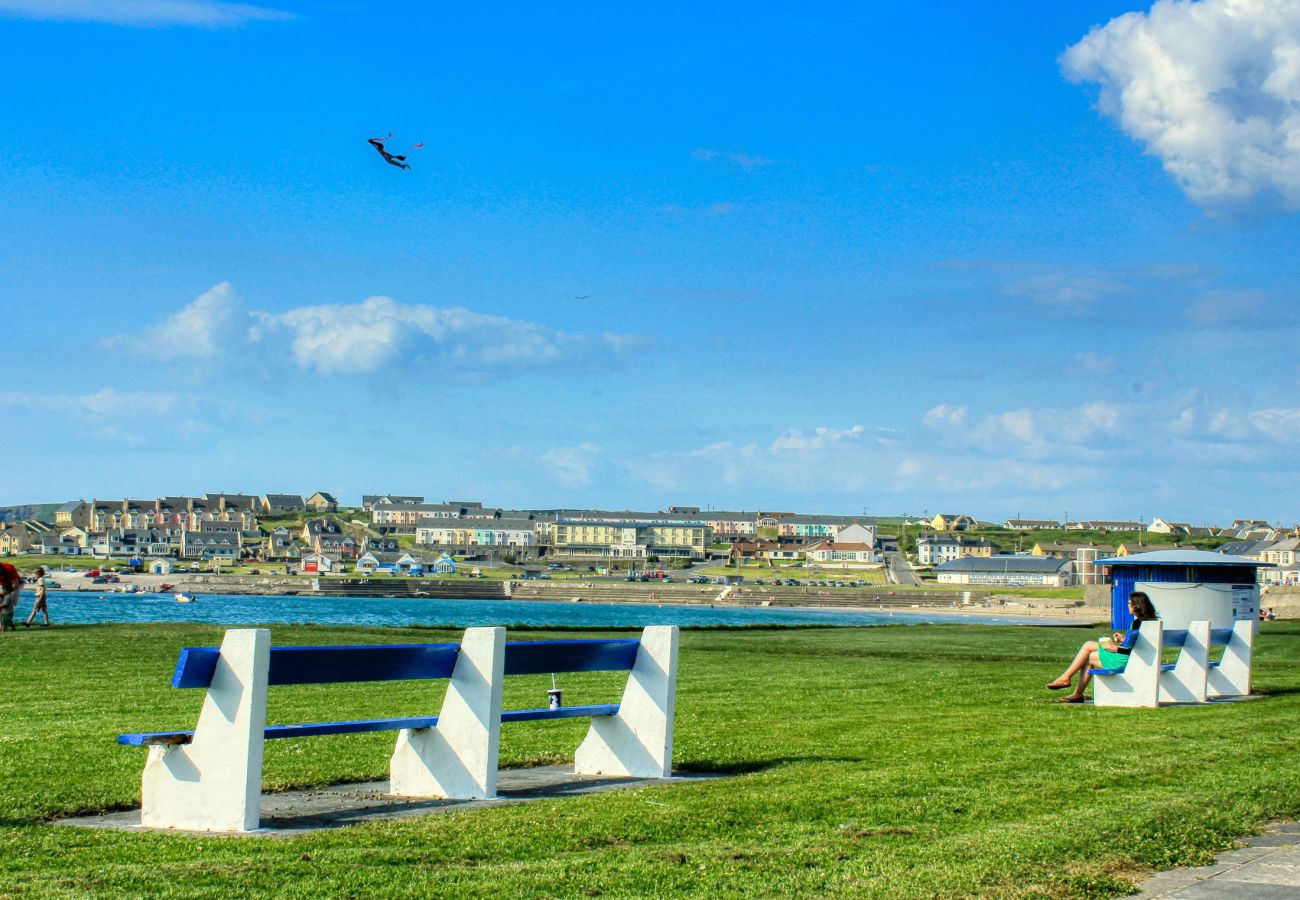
(40, 606)
(10, 584)
(1107, 653)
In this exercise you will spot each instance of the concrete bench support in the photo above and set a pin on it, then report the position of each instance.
(638, 741)
(214, 783)
(457, 759)
(1231, 677)
(1187, 681)
(1139, 682)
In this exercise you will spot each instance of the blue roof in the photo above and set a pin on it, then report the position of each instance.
(1179, 558)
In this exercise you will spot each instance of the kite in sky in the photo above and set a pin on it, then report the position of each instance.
(391, 158)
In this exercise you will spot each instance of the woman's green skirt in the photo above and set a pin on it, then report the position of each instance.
(1112, 660)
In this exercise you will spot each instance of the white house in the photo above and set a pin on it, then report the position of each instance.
(1044, 571)
(840, 553)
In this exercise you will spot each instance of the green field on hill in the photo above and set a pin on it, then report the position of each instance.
(895, 762)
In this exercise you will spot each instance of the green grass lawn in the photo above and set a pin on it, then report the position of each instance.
(894, 762)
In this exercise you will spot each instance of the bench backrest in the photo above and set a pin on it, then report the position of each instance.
(410, 662)
(1219, 637)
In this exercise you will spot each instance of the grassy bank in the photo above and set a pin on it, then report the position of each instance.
(894, 762)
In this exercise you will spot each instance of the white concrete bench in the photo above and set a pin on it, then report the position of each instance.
(210, 779)
(1193, 678)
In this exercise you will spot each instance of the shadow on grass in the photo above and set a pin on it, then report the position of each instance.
(749, 767)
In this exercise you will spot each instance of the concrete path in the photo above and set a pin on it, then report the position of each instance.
(1267, 867)
(288, 813)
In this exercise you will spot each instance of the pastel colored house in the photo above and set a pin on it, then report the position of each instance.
(282, 504)
(952, 522)
(837, 553)
(322, 502)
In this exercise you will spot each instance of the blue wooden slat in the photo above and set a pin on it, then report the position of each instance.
(564, 712)
(1173, 638)
(139, 740)
(274, 732)
(1220, 635)
(541, 657)
(316, 729)
(330, 665)
(195, 667)
(1104, 671)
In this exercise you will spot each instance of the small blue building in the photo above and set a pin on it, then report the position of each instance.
(1171, 567)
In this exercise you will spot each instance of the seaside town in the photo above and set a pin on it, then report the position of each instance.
(404, 535)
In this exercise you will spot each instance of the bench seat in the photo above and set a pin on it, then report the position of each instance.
(317, 729)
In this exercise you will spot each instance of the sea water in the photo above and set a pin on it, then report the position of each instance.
(243, 609)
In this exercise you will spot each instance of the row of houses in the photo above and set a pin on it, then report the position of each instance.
(853, 544)
(681, 531)
(1240, 529)
(1281, 556)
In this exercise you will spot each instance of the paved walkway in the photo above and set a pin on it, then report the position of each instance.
(1267, 867)
(298, 812)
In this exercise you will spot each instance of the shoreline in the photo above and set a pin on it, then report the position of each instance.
(1045, 610)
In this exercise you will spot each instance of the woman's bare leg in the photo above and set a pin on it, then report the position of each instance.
(1094, 662)
(1081, 660)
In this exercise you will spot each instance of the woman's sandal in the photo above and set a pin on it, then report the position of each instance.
(1069, 700)
(1057, 685)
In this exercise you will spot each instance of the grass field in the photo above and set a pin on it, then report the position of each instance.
(895, 762)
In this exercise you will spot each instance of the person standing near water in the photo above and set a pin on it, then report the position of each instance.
(40, 606)
(10, 583)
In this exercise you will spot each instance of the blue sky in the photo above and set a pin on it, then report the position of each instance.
(899, 258)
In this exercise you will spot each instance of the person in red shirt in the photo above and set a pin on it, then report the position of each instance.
(10, 583)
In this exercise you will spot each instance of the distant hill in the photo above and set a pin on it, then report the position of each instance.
(43, 512)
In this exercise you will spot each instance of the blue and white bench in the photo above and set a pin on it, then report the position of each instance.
(1193, 678)
(210, 779)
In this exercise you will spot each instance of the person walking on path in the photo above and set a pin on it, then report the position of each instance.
(40, 606)
(10, 583)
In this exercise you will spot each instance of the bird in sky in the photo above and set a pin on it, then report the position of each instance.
(583, 297)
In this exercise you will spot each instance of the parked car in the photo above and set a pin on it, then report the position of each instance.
(93, 573)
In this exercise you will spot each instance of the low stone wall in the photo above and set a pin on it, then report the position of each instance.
(1286, 600)
(754, 595)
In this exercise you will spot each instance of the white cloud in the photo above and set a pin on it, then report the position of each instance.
(818, 439)
(142, 13)
(101, 404)
(1066, 289)
(211, 325)
(735, 157)
(378, 334)
(1212, 88)
(1095, 364)
(572, 466)
(1238, 308)
(1029, 433)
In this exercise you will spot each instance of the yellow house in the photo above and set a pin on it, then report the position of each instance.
(14, 539)
(951, 522)
(633, 540)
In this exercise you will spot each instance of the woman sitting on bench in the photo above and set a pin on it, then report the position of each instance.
(1107, 653)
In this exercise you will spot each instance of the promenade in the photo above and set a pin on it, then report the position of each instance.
(1265, 867)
